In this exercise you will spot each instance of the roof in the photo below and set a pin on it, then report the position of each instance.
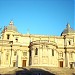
(68, 29)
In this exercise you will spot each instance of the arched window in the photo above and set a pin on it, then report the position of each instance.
(16, 39)
(36, 51)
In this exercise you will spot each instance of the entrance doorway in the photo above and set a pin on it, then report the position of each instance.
(71, 65)
(23, 63)
(61, 63)
(14, 64)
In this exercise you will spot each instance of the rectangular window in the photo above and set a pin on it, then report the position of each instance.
(69, 42)
(8, 36)
(61, 54)
(52, 52)
(71, 55)
(15, 53)
(36, 51)
(24, 53)
(7, 57)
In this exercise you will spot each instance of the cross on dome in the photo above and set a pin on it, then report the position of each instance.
(11, 23)
(68, 25)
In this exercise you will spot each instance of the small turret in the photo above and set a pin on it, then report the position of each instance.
(11, 26)
(67, 30)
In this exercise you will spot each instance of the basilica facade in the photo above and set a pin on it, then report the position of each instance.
(21, 50)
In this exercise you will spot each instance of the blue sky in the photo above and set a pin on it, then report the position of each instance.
(38, 16)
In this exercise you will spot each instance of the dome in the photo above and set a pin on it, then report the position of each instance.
(68, 29)
(11, 26)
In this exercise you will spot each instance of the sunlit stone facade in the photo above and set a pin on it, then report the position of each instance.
(21, 50)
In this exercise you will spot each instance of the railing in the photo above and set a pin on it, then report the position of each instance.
(48, 41)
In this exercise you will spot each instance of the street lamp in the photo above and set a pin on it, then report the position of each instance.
(11, 42)
(0, 51)
(66, 60)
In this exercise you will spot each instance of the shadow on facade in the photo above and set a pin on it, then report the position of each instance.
(73, 73)
(33, 71)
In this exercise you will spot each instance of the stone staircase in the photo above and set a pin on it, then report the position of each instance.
(7, 70)
(61, 71)
(23, 71)
(58, 71)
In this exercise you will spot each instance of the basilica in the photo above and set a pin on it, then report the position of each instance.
(22, 50)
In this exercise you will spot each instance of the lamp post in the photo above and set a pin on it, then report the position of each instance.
(11, 42)
(66, 60)
(0, 51)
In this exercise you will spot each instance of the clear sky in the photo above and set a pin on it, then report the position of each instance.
(38, 16)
